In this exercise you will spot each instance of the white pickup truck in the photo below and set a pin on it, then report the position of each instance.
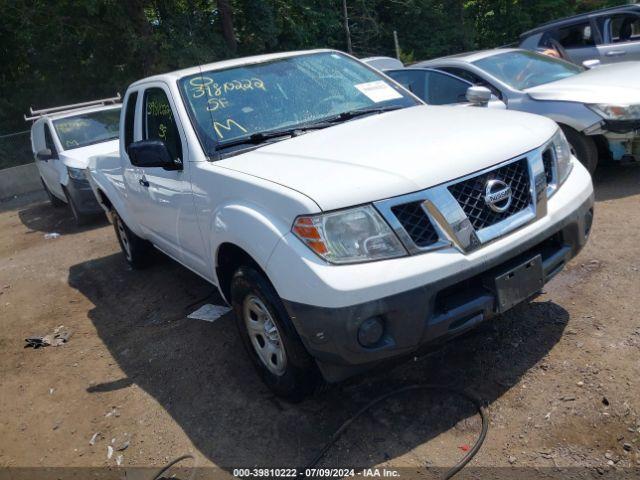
(345, 221)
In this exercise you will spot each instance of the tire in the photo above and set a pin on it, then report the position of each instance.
(79, 218)
(279, 357)
(136, 250)
(55, 201)
(583, 147)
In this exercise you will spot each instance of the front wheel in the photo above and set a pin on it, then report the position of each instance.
(270, 337)
(79, 218)
(136, 250)
(55, 201)
(583, 147)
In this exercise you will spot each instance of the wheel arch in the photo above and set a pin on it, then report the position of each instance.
(111, 201)
(243, 232)
(230, 257)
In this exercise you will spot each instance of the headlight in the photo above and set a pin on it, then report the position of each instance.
(617, 112)
(76, 173)
(349, 236)
(563, 156)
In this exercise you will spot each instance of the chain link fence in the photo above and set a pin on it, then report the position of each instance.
(15, 149)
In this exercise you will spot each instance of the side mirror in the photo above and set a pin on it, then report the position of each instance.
(152, 153)
(478, 96)
(45, 154)
(589, 64)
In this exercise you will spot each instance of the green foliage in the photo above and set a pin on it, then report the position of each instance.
(65, 51)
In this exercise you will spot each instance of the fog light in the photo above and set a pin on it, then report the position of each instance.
(370, 331)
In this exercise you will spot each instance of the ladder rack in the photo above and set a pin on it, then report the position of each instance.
(35, 114)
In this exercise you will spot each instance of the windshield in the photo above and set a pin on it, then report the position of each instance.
(88, 128)
(522, 70)
(252, 99)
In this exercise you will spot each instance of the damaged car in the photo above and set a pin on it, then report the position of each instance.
(598, 109)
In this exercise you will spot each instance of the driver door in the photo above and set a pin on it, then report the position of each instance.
(49, 168)
(164, 203)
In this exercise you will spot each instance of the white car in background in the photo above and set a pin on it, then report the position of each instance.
(63, 139)
(598, 109)
(346, 222)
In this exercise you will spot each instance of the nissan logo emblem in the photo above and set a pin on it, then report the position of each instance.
(497, 195)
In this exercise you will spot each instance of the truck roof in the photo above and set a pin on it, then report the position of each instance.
(582, 16)
(234, 62)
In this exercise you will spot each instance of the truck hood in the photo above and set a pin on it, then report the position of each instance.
(395, 153)
(617, 83)
(79, 157)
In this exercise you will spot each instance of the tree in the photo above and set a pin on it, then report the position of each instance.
(226, 17)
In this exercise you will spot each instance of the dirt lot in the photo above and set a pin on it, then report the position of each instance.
(560, 376)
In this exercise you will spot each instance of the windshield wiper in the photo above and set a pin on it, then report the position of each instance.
(349, 114)
(261, 137)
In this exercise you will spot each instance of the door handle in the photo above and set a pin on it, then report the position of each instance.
(615, 53)
(143, 181)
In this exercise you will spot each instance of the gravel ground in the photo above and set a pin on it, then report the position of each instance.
(560, 376)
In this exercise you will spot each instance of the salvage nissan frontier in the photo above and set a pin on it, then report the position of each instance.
(344, 221)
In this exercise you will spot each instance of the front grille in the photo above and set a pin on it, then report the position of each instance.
(416, 222)
(470, 194)
(547, 160)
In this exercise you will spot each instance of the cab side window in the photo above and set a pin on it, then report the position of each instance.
(48, 141)
(129, 116)
(159, 122)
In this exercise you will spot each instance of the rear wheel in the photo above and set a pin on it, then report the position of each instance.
(583, 147)
(270, 338)
(136, 250)
(55, 201)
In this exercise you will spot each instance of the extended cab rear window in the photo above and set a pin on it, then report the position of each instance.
(88, 128)
(241, 101)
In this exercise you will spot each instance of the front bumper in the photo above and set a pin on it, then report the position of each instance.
(443, 292)
(433, 312)
(83, 197)
(624, 146)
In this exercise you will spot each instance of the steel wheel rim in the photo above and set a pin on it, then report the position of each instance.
(264, 335)
(124, 238)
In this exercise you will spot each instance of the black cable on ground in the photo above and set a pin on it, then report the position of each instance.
(170, 464)
(453, 470)
(338, 433)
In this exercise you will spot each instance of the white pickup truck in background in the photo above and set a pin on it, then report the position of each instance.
(345, 221)
(63, 139)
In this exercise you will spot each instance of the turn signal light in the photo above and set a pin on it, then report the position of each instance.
(306, 230)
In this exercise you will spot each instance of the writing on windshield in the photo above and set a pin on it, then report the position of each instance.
(250, 99)
(88, 128)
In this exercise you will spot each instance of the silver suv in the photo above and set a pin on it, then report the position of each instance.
(609, 35)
